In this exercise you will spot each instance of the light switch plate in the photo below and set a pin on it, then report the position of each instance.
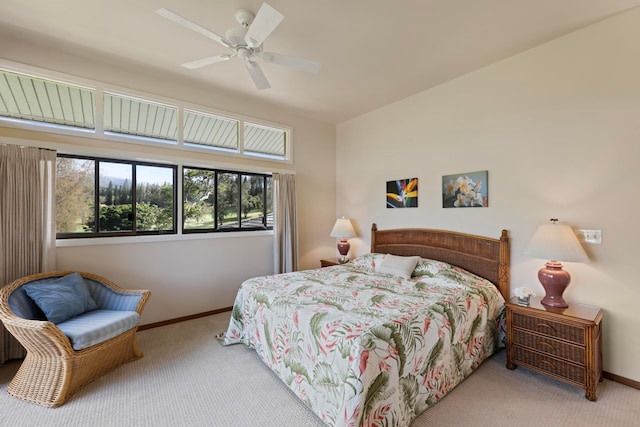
(591, 236)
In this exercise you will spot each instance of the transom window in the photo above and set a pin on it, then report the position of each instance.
(47, 101)
(264, 140)
(210, 131)
(38, 101)
(131, 116)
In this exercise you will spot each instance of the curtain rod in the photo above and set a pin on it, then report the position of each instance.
(25, 146)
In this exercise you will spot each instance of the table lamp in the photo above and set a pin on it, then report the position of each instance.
(555, 242)
(343, 229)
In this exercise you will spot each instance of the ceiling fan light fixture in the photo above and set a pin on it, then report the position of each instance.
(236, 35)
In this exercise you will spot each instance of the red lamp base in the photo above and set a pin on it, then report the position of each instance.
(554, 280)
(343, 248)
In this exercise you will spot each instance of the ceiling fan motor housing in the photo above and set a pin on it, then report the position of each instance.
(244, 53)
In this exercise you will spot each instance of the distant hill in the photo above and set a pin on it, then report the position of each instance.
(117, 182)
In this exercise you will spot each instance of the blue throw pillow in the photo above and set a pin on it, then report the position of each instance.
(62, 298)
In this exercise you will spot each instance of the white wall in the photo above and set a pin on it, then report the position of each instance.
(558, 129)
(191, 275)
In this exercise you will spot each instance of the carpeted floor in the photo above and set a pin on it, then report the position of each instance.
(188, 379)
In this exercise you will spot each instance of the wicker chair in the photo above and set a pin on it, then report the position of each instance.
(52, 370)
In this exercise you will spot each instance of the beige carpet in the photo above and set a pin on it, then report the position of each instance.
(188, 379)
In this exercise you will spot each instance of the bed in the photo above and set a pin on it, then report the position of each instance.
(362, 347)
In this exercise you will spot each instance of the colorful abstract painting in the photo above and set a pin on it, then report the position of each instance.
(465, 190)
(402, 193)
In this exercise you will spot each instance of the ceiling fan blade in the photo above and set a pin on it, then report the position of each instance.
(192, 26)
(258, 77)
(266, 20)
(199, 63)
(291, 61)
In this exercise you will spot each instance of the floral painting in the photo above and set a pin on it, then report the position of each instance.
(466, 190)
(402, 193)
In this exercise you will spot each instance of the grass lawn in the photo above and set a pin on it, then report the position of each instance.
(207, 221)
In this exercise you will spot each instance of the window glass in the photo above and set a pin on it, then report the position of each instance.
(75, 195)
(115, 186)
(155, 204)
(228, 201)
(269, 202)
(198, 193)
(252, 201)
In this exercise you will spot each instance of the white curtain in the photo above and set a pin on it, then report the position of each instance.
(27, 221)
(285, 227)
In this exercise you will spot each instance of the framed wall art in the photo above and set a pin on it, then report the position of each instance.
(402, 193)
(465, 190)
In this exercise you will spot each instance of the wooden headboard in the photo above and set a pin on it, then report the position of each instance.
(483, 256)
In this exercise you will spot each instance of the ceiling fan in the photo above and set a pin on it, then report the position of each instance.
(246, 43)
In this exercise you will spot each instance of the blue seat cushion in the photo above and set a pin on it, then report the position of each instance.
(96, 326)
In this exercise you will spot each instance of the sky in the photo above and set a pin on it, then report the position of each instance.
(144, 174)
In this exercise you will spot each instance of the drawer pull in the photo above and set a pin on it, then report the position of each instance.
(542, 343)
(544, 362)
(544, 325)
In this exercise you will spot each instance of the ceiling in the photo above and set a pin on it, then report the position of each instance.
(373, 52)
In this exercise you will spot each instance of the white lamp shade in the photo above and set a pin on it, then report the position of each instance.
(556, 242)
(343, 228)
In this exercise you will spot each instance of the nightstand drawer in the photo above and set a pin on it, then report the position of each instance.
(549, 346)
(575, 334)
(538, 361)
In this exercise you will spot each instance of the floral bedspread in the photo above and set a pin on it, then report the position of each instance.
(362, 348)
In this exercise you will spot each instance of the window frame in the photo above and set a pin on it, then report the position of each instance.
(178, 175)
(99, 132)
(266, 177)
(96, 209)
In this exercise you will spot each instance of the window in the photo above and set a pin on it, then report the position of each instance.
(33, 99)
(70, 108)
(210, 131)
(130, 116)
(264, 141)
(97, 197)
(105, 197)
(215, 200)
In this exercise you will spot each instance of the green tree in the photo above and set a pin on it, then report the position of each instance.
(124, 194)
(198, 193)
(114, 218)
(108, 195)
(251, 195)
(152, 217)
(74, 194)
(228, 198)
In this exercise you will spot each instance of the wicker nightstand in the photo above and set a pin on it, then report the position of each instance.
(565, 344)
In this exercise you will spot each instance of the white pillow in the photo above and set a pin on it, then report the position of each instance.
(401, 266)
